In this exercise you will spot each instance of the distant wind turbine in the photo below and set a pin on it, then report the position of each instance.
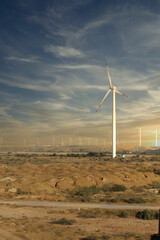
(89, 141)
(114, 90)
(70, 141)
(156, 139)
(80, 141)
(140, 136)
(52, 141)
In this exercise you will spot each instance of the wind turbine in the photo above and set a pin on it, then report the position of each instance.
(52, 141)
(89, 141)
(114, 90)
(140, 136)
(156, 139)
(80, 141)
(70, 141)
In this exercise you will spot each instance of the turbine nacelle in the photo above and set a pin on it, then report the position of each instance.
(112, 88)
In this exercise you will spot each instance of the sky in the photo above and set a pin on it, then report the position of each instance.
(53, 74)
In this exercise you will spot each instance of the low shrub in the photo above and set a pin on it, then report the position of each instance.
(85, 199)
(84, 215)
(114, 188)
(156, 171)
(104, 237)
(106, 188)
(135, 200)
(63, 221)
(19, 191)
(89, 238)
(124, 214)
(87, 191)
(155, 184)
(118, 188)
(112, 200)
(92, 154)
(145, 214)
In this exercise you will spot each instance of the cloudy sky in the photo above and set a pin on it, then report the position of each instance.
(53, 74)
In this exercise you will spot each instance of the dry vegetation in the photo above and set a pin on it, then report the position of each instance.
(46, 223)
(82, 178)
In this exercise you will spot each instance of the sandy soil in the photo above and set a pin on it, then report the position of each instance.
(47, 177)
(36, 223)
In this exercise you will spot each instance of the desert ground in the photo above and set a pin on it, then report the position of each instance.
(48, 223)
(81, 177)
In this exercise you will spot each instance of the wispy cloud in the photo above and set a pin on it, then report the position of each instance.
(79, 66)
(55, 67)
(60, 106)
(19, 59)
(61, 51)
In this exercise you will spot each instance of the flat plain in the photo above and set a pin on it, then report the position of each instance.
(90, 177)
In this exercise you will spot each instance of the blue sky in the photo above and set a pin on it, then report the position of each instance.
(52, 67)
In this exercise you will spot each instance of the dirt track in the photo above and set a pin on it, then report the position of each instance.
(78, 205)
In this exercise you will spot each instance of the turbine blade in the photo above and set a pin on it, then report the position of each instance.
(109, 77)
(121, 93)
(103, 99)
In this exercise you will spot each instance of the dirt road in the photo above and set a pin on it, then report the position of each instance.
(79, 205)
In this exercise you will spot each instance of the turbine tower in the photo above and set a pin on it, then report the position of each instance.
(156, 139)
(114, 90)
(70, 141)
(80, 141)
(140, 136)
(52, 141)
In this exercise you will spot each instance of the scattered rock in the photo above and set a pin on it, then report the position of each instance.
(53, 182)
(153, 190)
(8, 179)
(12, 190)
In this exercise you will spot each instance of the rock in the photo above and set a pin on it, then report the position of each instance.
(153, 190)
(8, 179)
(12, 190)
(53, 182)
